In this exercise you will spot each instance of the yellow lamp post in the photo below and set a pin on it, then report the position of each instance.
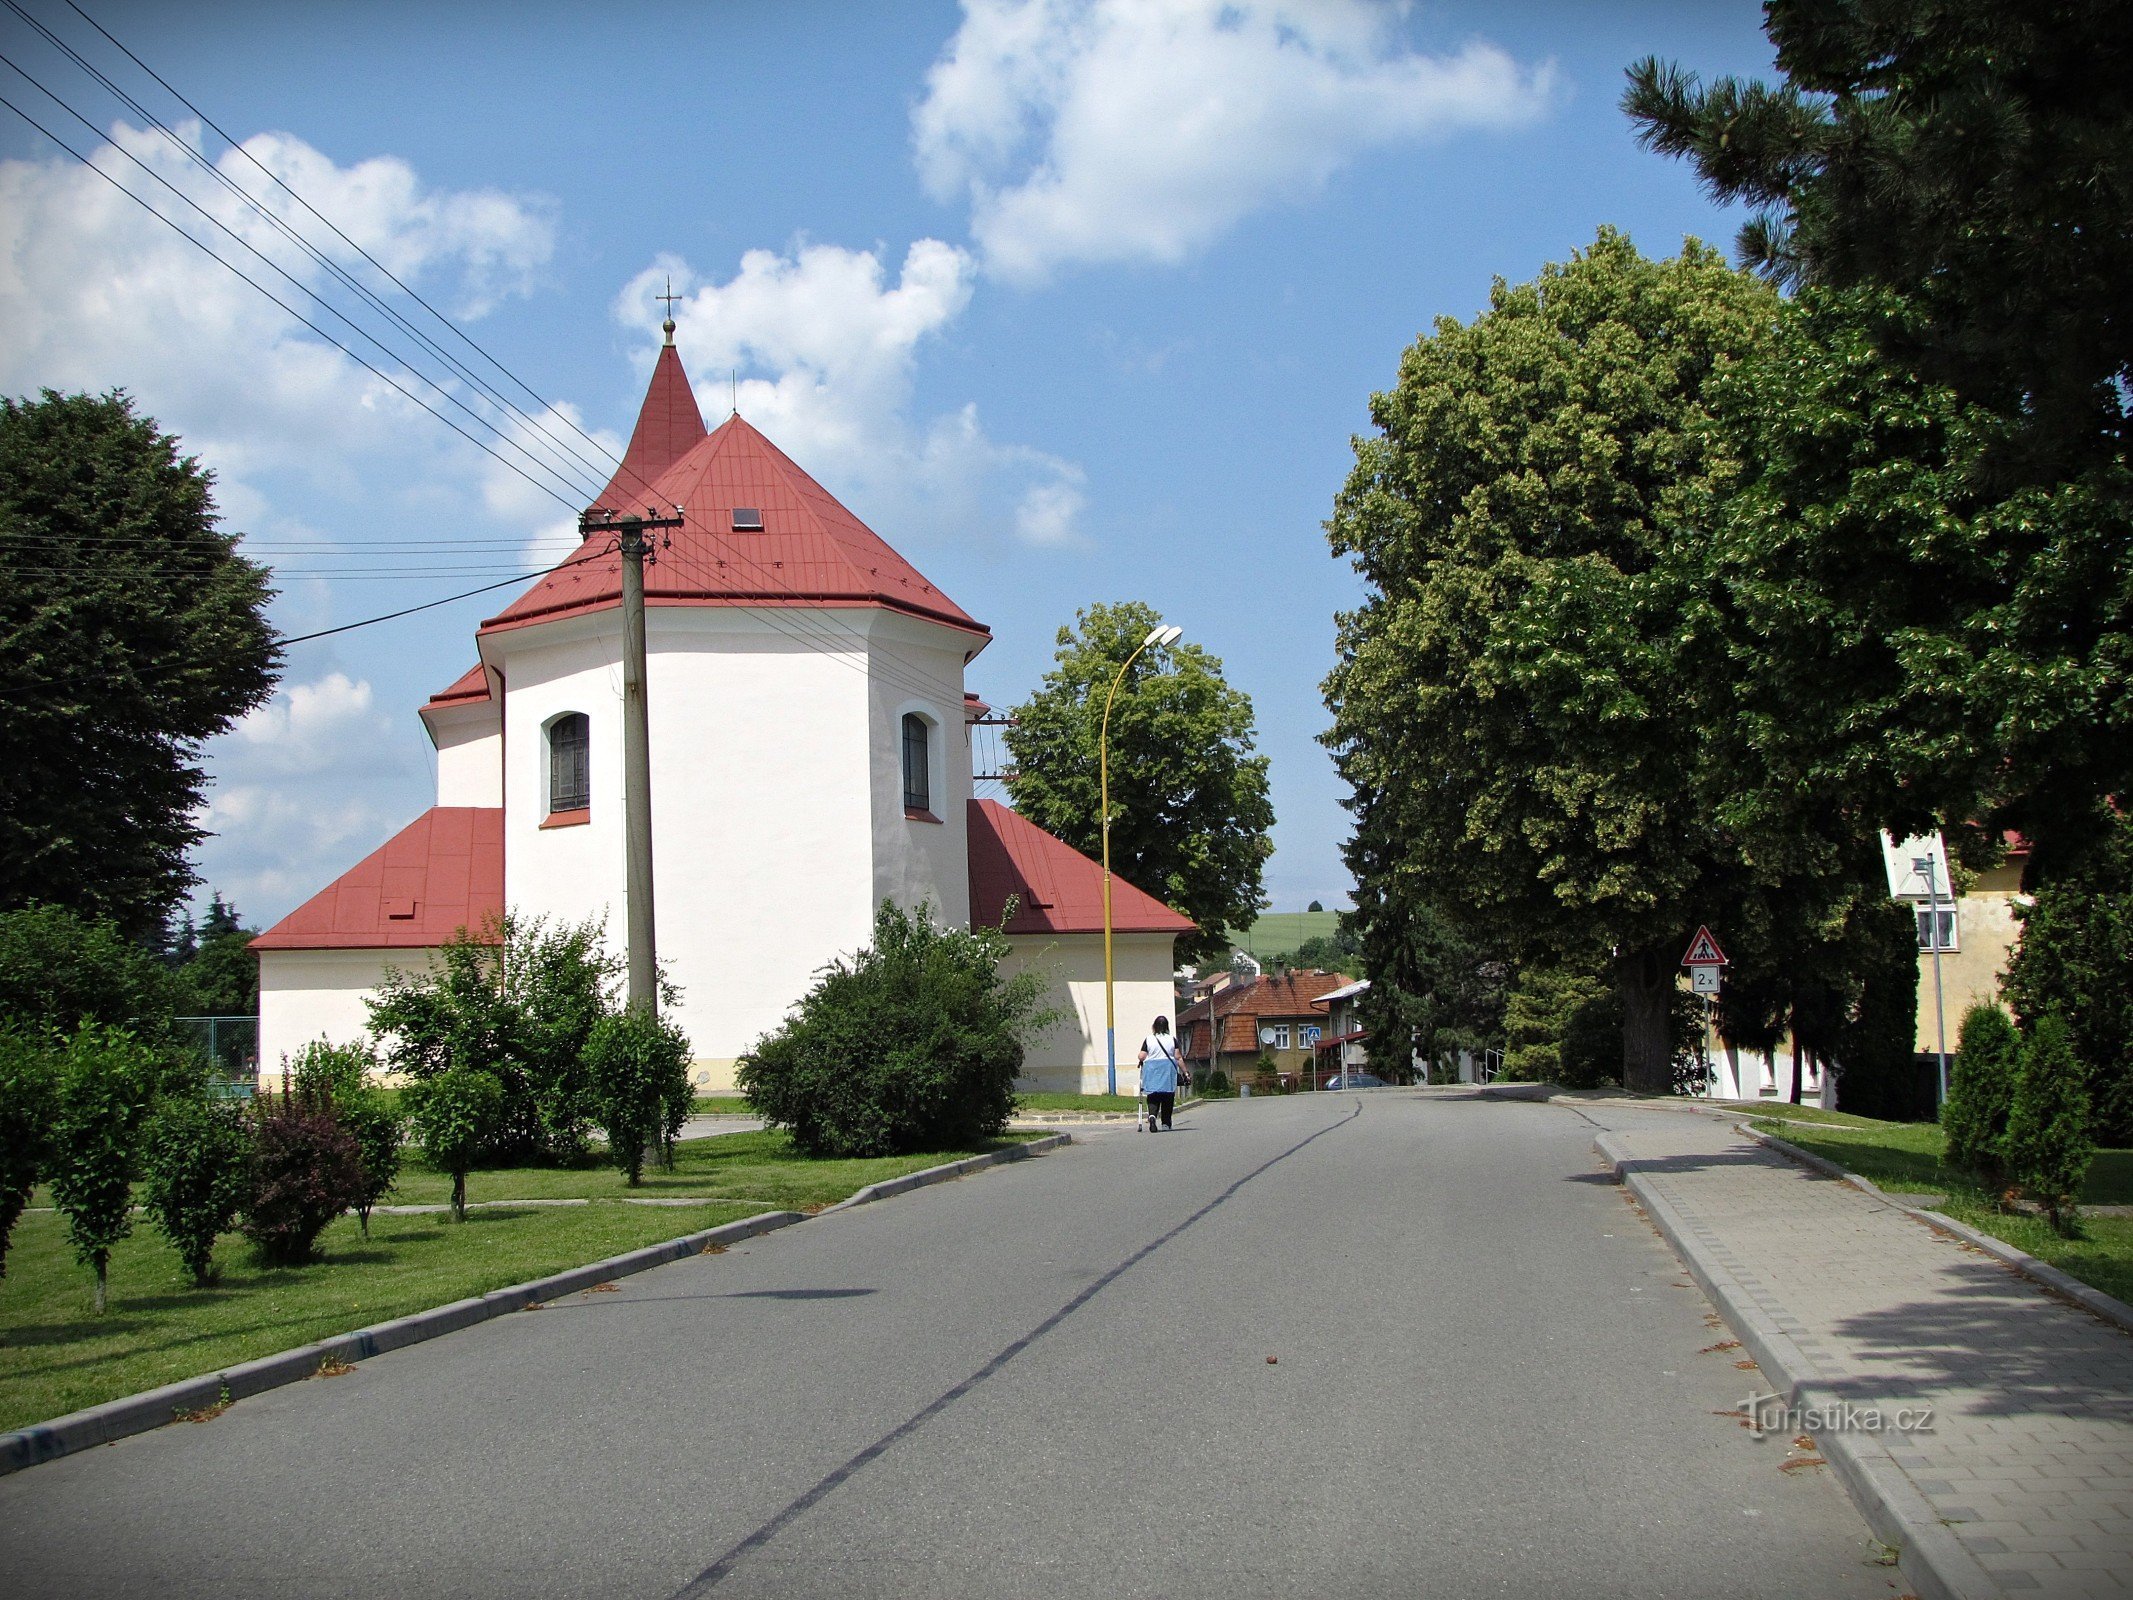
(1156, 636)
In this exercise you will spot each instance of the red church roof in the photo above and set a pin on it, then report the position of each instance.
(1057, 888)
(469, 687)
(808, 551)
(442, 872)
(668, 426)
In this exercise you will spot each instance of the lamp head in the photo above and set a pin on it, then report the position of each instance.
(1162, 635)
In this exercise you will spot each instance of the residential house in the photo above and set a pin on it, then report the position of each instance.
(1272, 1014)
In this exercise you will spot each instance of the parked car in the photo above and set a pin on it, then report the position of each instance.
(1355, 1080)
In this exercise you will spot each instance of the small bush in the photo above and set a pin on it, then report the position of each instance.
(29, 1105)
(198, 1175)
(1266, 1076)
(326, 1071)
(107, 1081)
(913, 1044)
(455, 1117)
(631, 1065)
(2048, 1143)
(379, 1131)
(306, 1170)
(1981, 1092)
(1218, 1086)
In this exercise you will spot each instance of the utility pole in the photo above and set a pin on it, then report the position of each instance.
(636, 549)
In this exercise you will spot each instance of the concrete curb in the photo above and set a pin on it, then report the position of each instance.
(1931, 1558)
(947, 1171)
(2109, 1307)
(137, 1413)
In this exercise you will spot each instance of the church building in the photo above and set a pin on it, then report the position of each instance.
(810, 758)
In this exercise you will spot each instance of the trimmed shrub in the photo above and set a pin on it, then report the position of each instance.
(341, 1075)
(306, 1170)
(913, 1044)
(1266, 1076)
(454, 1116)
(107, 1082)
(197, 1173)
(29, 1105)
(630, 1065)
(326, 1071)
(2048, 1143)
(1981, 1089)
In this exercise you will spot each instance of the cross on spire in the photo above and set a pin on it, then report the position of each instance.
(667, 327)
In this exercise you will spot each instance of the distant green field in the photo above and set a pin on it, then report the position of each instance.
(1279, 932)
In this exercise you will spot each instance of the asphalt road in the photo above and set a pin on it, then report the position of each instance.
(1047, 1379)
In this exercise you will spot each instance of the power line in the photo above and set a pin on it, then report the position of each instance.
(346, 627)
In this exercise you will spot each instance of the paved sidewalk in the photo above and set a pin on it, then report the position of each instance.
(2029, 1463)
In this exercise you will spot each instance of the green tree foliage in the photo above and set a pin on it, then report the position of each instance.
(2076, 957)
(29, 1106)
(1981, 1091)
(1433, 990)
(1508, 703)
(517, 999)
(220, 975)
(108, 1080)
(306, 1170)
(1190, 816)
(1548, 1025)
(2048, 1143)
(197, 1175)
(130, 632)
(342, 1076)
(1939, 534)
(912, 1044)
(454, 1116)
(633, 1061)
(59, 969)
(1975, 155)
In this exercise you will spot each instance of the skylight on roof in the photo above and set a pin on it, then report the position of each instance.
(747, 519)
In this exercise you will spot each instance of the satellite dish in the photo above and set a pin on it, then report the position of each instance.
(1266, 1035)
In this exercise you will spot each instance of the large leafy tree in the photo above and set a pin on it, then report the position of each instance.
(1935, 554)
(1507, 702)
(1189, 808)
(1976, 155)
(130, 632)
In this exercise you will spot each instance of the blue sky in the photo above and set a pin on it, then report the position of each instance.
(1071, 300)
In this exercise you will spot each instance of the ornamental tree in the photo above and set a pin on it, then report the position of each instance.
(1981, 1089)
(197, 1175)
(1190, 816)
(455, 1116)
(632, 1062)
(2048, 1143)
(131, 632)
(1508, 702)
(107, 1082)
(29, 1083)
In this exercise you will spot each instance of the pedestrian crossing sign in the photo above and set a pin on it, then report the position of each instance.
(1704, 951)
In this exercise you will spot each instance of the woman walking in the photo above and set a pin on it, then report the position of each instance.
(1159, 1073)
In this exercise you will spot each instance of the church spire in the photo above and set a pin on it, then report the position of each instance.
(668, 424)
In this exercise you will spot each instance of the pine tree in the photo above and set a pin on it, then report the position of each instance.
(1981, 1092)
(2048, 1144)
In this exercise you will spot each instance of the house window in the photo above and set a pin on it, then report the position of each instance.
(918, 786)
(570, 763)
(1281, 1035)
(1936, 928)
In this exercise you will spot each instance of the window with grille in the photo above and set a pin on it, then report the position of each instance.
(918, 786)
(1936, 928)
(1281, 1035)
(570, 763)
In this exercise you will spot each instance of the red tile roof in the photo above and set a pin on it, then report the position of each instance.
(442, 872)
(1243, 1006)
(1057, 888)
(668, 427)
(811, 551)
(469, 687)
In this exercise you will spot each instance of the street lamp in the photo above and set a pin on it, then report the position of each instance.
(1924, 867)
(1156, 636)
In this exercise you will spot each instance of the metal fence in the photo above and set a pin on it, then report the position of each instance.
(231, 1045)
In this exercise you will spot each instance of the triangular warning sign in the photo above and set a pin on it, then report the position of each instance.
(1704, 951)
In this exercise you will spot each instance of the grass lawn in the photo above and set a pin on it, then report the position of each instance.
(721, 1105)
(1906, 1156)
(761, 1168)
(57, 1356)
(1075, 1102)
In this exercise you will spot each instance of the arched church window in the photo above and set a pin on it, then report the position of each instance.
(570, 763)
(918, 785)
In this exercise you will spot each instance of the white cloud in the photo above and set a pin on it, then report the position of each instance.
(1088, 131)
(830, 347)
(303, 786)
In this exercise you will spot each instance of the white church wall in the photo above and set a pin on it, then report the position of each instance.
(918, 667)
(1069, 1057)
(319, 994)
(470, 754)
(760, 807)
